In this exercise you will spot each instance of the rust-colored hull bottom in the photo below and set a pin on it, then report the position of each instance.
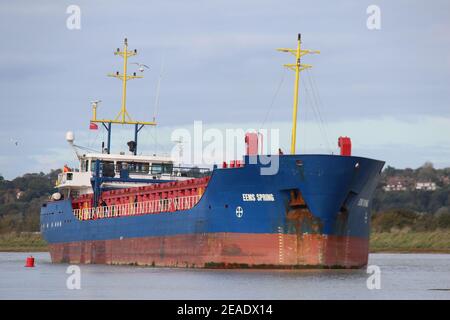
(220, 250)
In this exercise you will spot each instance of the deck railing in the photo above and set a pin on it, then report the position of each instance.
(137, 208)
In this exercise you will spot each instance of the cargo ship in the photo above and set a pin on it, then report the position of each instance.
(313, 212)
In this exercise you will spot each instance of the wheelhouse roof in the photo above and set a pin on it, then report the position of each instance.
(125, 157)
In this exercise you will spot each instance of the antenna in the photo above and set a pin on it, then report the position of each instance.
(158, 88)
(155, 111)
(180, 148)
(297, 67)
(123, 117)
(94, 107)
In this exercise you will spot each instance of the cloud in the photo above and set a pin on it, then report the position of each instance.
(383, 88)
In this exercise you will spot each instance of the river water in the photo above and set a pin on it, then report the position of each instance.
(402, 276)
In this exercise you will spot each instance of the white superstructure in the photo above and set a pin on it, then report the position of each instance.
(77, 181)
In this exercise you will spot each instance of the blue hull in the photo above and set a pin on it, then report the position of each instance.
(336, 192)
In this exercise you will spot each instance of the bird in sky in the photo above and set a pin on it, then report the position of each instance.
(141, 66)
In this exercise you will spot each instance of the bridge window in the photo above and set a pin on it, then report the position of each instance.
(108, 168)
(137, 167)
(167, 168)
(156, 168)
(84, 165)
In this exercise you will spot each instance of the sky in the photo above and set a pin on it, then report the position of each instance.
(388, 89)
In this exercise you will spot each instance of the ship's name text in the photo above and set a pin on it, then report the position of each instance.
(363, 203)
(258, 197)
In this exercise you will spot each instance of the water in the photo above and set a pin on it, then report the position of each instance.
(403, 276)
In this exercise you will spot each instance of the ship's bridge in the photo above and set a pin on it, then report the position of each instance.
(136, 164)
(77, 181)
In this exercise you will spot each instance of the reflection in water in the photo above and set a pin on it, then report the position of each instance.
(403, 276)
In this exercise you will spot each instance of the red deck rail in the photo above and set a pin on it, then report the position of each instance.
(138, 208)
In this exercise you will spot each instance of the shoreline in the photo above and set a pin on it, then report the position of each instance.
(431, 242)
(387, 250)
(410, 251)
(22, 249)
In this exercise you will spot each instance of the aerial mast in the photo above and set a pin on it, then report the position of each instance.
(297, 67)
(123, 117)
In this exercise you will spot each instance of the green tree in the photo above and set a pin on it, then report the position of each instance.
(427, 172)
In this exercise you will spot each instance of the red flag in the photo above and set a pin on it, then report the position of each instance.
(93, 126)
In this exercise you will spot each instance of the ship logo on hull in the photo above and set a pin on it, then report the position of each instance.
(239, 212)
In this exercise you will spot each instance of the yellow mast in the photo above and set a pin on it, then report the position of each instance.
(297, 67)
(123, 117)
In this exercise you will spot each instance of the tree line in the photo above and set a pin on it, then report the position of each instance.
(21, 200)
(421, 201)
(22, 197)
